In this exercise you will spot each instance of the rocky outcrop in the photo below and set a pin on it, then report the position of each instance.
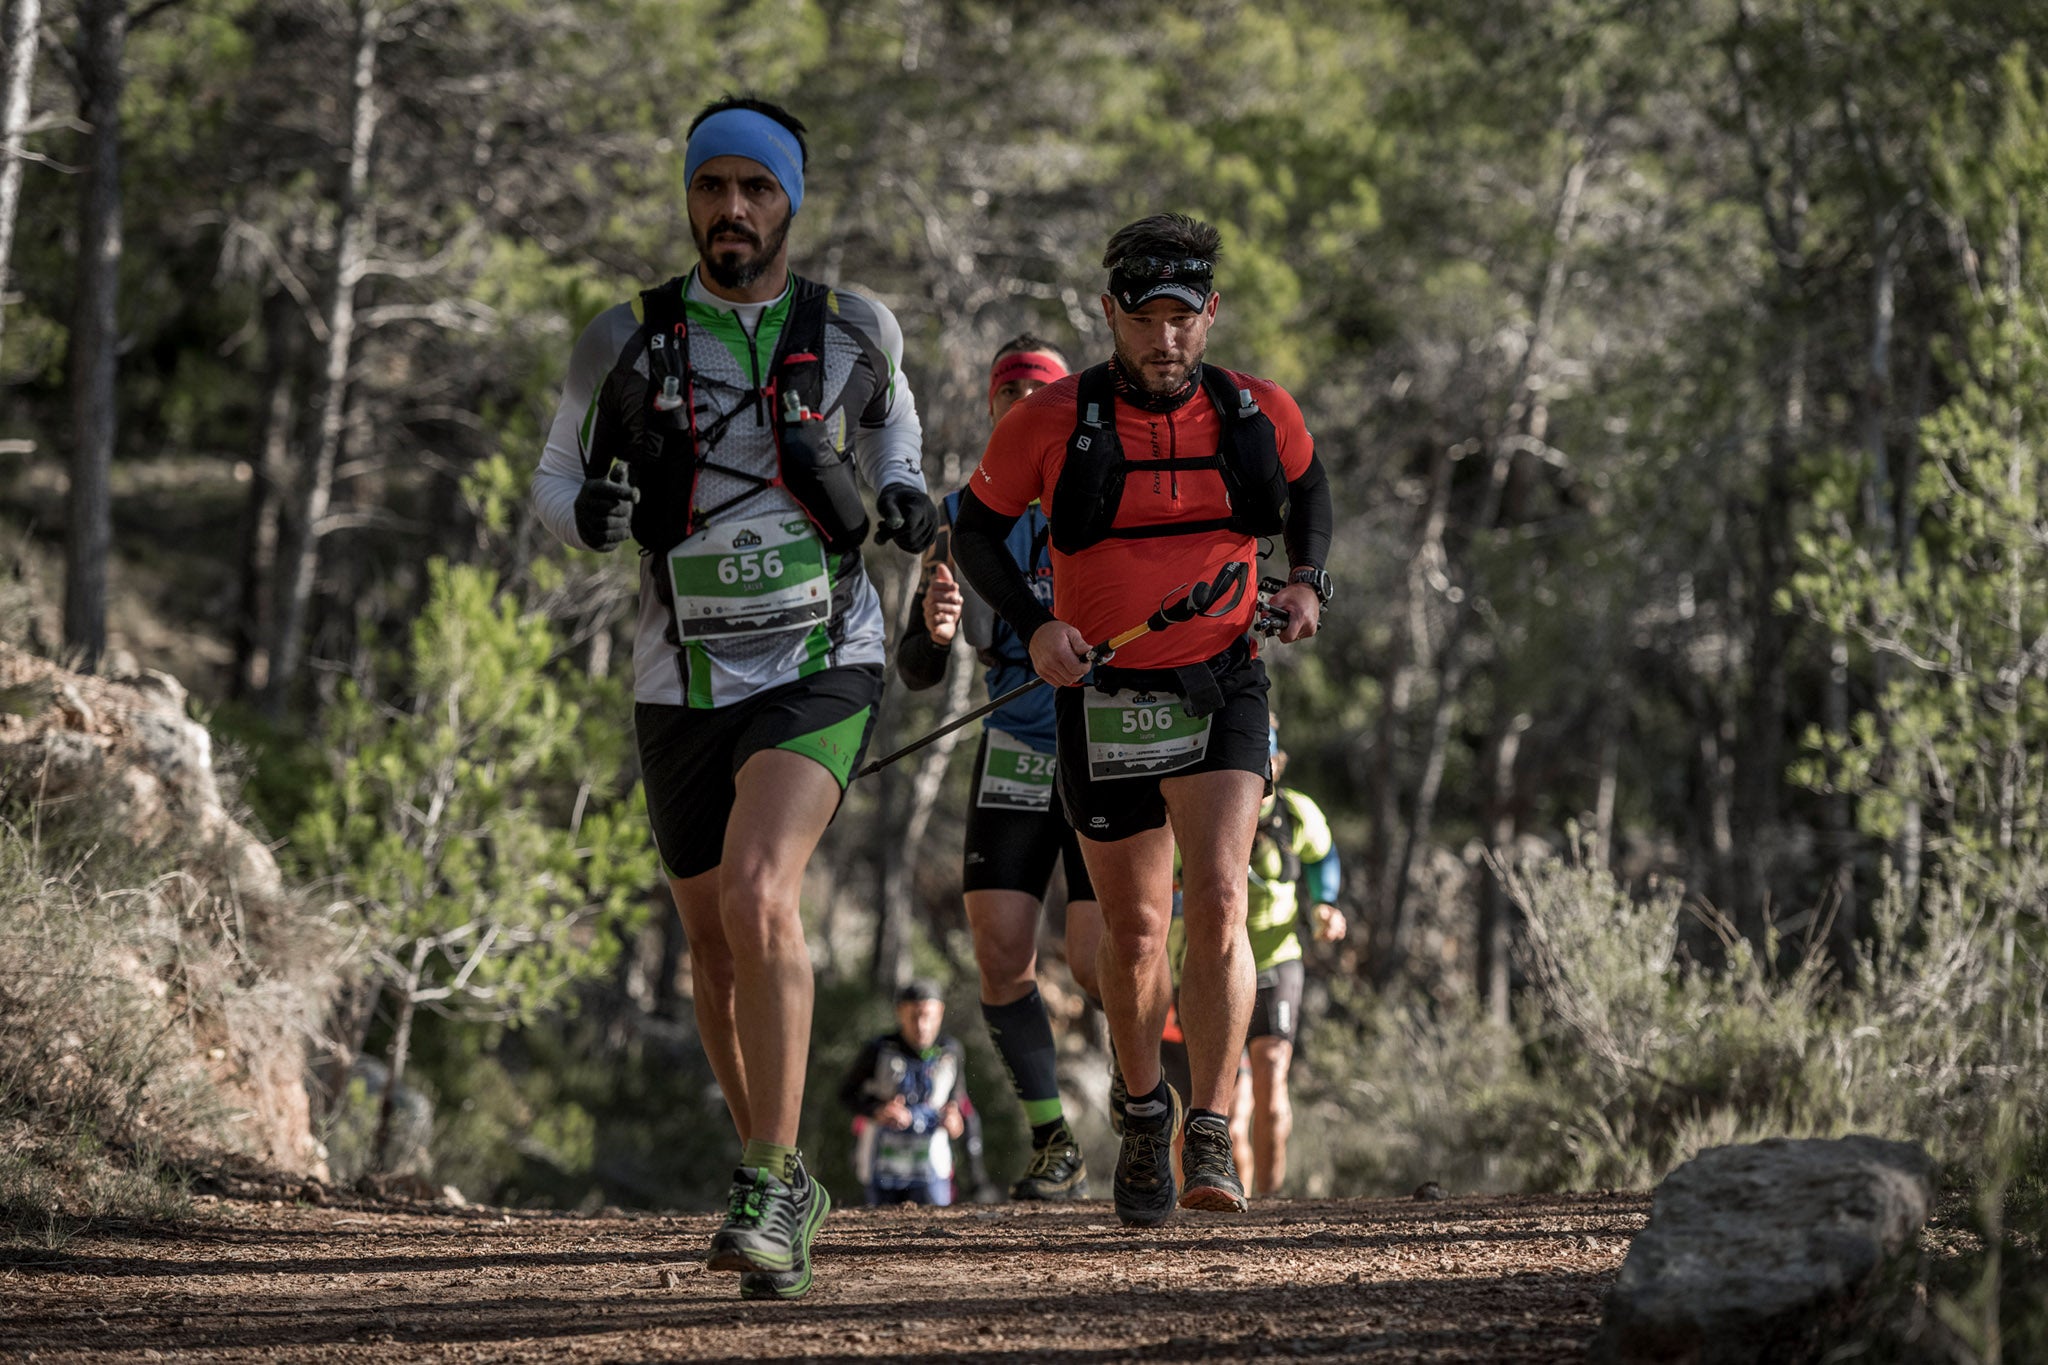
(125, 749)
(1771, 1251)
(128, 742)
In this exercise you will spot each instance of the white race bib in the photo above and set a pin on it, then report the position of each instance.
(1015, 776)
(746, 577)
(1141, 734)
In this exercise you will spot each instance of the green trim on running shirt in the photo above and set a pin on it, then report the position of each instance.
(753, 354)
(817, 651)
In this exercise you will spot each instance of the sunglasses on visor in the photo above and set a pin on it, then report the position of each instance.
(1146, 269)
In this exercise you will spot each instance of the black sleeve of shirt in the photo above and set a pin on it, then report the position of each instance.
(853, 1091)
(920, 660)
(979, 532)
(1311, 517)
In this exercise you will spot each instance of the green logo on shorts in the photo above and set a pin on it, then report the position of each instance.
(836, 746)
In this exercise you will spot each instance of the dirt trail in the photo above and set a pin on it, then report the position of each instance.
(1477, 1279)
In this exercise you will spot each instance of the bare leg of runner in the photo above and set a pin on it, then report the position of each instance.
(1005, 929)
(783, 803)
(1241, 1126)
(1134, 885)
(1214, 817)
(711, 981)
(1084, 941)
(1272, 1114)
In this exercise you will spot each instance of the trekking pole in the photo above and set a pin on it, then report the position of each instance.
(1200, 600)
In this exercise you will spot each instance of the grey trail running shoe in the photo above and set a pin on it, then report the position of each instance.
(1144, 1166)
(1211, 1171)
(769, 1224)
(1057, 1171)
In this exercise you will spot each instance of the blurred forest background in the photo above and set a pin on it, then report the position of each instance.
(1682, 370)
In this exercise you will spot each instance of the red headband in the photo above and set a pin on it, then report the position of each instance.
(1022, 365)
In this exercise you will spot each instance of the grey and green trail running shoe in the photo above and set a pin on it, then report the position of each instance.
(1056, 1172)
(769, 1224)
(1144, 1187)
(777, 1284)
(1209, 1168)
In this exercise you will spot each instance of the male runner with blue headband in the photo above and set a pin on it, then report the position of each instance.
(720, 421)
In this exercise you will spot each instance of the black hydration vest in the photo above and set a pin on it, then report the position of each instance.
(1279, 827)
(817, 475)
(1090, 491)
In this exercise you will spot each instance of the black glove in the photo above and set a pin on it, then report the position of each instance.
(604, 512)
(908, 518)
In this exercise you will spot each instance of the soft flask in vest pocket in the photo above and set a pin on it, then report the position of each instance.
(661, 516)
(818, 476)
(1091, 483)
(1252, 473)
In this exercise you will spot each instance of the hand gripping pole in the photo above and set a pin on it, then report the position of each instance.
(1203, 599)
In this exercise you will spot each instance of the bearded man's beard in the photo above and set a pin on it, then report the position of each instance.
(1173, 384)
(739, 271)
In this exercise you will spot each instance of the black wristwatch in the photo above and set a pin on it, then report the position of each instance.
(1317, 579)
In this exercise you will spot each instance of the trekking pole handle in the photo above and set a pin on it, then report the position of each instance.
(1271, 620)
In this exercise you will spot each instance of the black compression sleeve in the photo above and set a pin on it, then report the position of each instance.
(978, 534)
(1311, 517)
(920, 660)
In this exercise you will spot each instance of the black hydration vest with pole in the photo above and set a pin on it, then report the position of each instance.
(1090, 491)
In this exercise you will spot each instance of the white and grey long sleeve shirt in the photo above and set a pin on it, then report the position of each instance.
(867, 399)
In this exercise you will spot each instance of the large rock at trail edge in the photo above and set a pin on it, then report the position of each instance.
(1765, 1252)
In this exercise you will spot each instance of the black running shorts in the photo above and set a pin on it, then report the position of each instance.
(1013, 849)
(689, 756)
(1108, 808)
(1276, 1009)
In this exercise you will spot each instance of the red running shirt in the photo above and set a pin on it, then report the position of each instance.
(1116, 583)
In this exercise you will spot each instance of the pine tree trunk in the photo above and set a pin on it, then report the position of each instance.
(889, 964)
(1608, 786)
(298, 561)
(262, 511)
(1783, 199)
(21, 77)
(1496, 923)
(931, 770)
(400, 1055)
(1450, 680)
(95, 332)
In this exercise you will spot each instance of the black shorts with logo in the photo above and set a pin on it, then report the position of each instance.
(1010, 849)
(1276, 1009)
(689, 756)
(1106, 809)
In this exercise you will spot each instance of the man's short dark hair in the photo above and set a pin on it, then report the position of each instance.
(758, 106)
(1164, 234)
(1025, 342)
(919, 988)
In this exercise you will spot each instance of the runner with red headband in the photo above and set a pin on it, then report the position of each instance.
(1016, 831)
(1155, 472)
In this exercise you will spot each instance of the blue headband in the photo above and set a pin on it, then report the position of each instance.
(742, 132)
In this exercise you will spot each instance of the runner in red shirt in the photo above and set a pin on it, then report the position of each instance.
(1156, 472)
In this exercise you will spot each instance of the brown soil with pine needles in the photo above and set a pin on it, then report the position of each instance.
(1463, 1279)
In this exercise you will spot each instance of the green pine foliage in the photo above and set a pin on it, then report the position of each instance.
(476, 819)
